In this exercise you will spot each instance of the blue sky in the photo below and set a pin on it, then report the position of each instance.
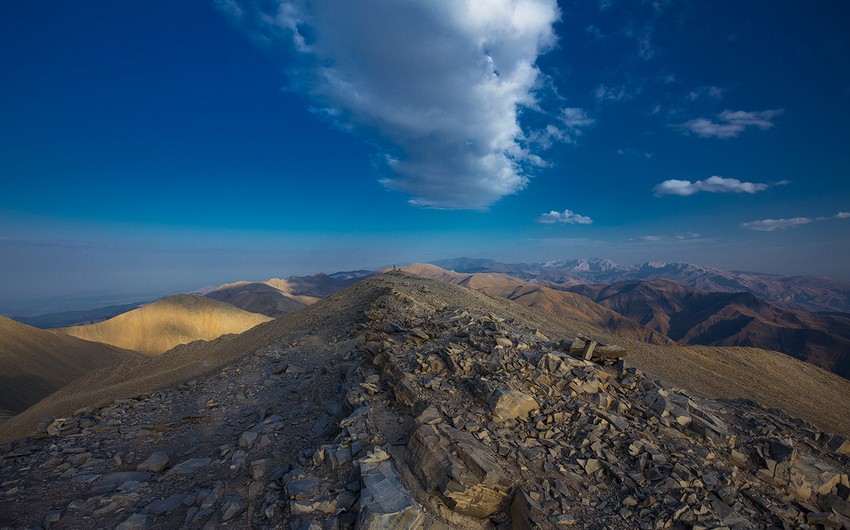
(148, 147)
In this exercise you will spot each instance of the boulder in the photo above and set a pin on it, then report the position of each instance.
(384, 502)
(508, 404)
(462, 470)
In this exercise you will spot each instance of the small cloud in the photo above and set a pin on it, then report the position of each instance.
(730, 123)
(688, 235)
(634, 153)
(714, 184)
(769, 225)
(594, 32)
(566, 217)
(611, 93)
(574, 120)
(651, 238)
(714, 92)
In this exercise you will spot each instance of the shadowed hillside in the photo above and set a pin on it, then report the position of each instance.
(256, 297)
(36, 362)
(166, 323)
(694, 316)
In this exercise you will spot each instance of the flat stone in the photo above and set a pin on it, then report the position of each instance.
(159, 507)
(248, 438)
(188, 467)
(384, 502)
(509, 404)
(231, 508)
(155, 463)
(120, 477)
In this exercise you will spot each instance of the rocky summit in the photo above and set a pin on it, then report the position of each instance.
(425, 405)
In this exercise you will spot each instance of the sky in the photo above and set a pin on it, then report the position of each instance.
(148, 147)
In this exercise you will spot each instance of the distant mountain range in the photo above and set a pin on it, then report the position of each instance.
(673, 309)
(805, 293)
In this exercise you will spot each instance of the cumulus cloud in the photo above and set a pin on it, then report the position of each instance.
(730, 123)
(441, 83)
(565, 217)
(711, 185)
(769, 225)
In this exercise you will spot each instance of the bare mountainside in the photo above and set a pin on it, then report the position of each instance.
(404, 402)
(554, 301)
(174, 320)
(805, 293)
(36, 362)
(256, 297)
(276, 297)
(694, 316)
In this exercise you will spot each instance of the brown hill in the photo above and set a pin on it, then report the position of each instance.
(694, 316)
(36, 362)
(174, 320)
(256, 297)
(563, 303)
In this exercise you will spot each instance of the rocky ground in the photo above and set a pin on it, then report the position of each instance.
(423, 412)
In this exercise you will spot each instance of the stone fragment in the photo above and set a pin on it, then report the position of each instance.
(155, 463)
(231, 508)
(508, 404)
(385, 504)
(52, 518)
(188, 467)
(161, 506)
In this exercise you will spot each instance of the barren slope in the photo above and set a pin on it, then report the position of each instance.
(256, 297)
(36, 362)
(528, 294)
(694, 316)
(166, 323)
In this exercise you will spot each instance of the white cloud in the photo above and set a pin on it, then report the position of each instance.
(769, 225)
(711, 91)
(731, 123)
(711, 185)
(573, 119)
(566, 217)
(611, 93)
(442, 83)
(651, 238)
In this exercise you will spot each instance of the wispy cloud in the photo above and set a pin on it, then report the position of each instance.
(769, 225)
(634, 153)
(612, 93)
(441, 83)
(565, 217)
(714, 92)
(713, 184)
(730, 123)
(687, 236)
(573, 121)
